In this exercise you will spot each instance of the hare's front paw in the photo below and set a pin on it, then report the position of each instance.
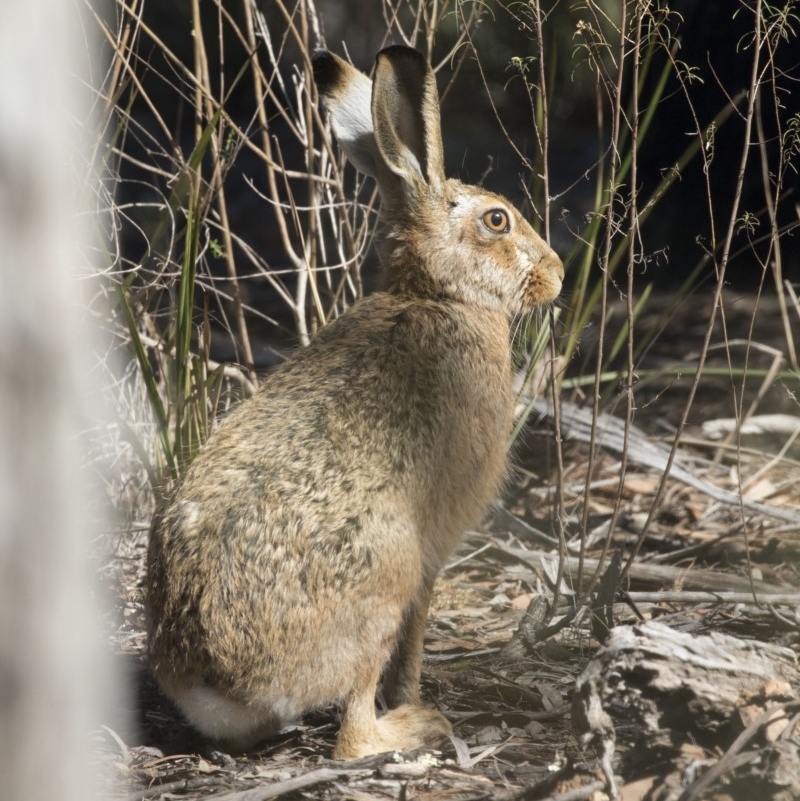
(402, 729)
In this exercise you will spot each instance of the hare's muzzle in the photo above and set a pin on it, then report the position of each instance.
(544, 284)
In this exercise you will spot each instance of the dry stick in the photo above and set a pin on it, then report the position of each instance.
(561, 512)
(217, 181)
(349, 249)
(793, 295)
(544, 143)
(772, 204)
(607, 244)
(280, 105)
(230, 371)
(191, 80)
(577, 424)
(775, 460)
(139, 27)
(348, 238)
(230, 264)
(390, 20)
(308, 101)
(733, 440)
(733, 437)
(304, 134)
(695, 597)
(306, 276)
(272, 166)
(129, 70)
(715, 305)
(301, 782)
(181, 785)
(176, 62)
(457, 52)
(534, 792)
(281, 108)
(431, 29)
(740, 416)
(525, 161)
(545, 135)
(633, 237)
(748, 343)
(694, 580)
(123, 46)
(723, 597)
(313, 20)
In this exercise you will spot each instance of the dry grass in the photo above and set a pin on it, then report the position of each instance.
(202, 134)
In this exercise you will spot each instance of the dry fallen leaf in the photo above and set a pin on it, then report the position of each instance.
(762, 489)
(522, 601)
(776, 725)
(641, 485)
(636, 791)
(777, 688)
(551, 697)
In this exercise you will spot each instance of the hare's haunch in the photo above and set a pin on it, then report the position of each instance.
(294, 563)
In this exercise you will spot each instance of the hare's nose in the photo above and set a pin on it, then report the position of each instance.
(553, 264)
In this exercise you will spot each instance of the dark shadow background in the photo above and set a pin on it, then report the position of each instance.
(712, 40)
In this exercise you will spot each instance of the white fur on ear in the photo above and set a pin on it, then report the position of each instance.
(388, 128)
(348, 97)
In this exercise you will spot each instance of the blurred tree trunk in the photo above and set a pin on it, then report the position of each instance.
(48, 665)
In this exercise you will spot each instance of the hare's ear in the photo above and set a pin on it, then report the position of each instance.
(405, 115)
(348, 94)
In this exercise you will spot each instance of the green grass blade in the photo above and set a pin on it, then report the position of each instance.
(151, 385)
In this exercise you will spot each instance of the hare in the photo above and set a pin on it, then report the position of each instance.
(293, 565)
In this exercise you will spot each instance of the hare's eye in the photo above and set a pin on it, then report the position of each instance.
(496, 220)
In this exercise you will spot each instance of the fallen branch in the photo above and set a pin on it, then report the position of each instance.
(179, 786)
(576, 423)
(758, 425)
(265, 792)
(705, 581)
(740, 598)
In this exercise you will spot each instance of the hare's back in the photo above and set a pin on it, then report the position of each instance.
(360, 461)
(396, 405)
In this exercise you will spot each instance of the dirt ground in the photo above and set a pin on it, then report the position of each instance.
(499, 664)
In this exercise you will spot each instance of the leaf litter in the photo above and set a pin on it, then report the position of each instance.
(721, 555)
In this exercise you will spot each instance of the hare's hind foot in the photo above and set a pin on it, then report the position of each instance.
(402, 729)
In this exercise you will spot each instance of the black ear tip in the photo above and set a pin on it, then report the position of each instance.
(397, 53)
(326, 69)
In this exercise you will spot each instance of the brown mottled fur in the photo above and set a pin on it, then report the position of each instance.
(294, 563)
